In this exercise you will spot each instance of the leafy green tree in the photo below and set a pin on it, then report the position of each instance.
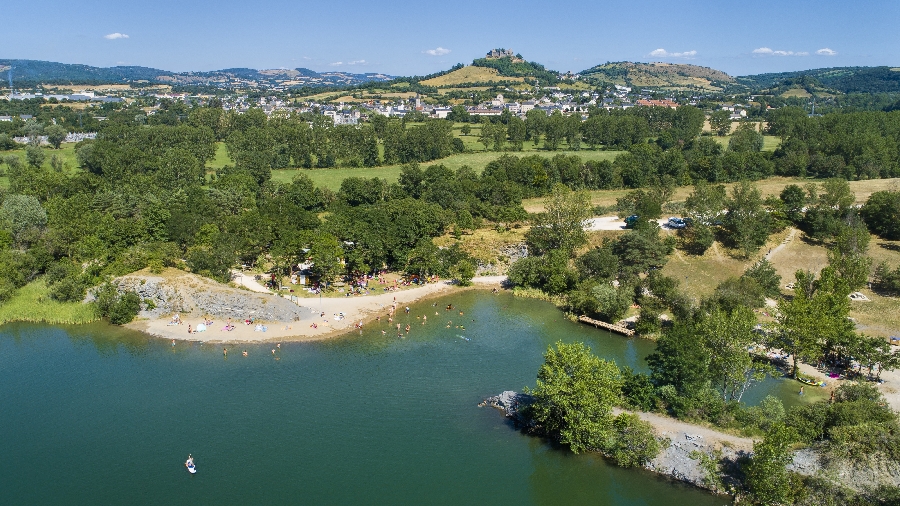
(680, 360)
(326, 254)
(815, 315)
(35, 156)
(515, 129)
(55, 135)
(763, 272)
(706, 202)
(728, 338)
(634, 442)
(746, 221)
(847, 255)
(464, 271)
(746, 139)
(641, 250)
(486, 135)
(25, 215)
(794, 199)
(720, 122)
(767, 478)
(561, 226)
(881, 213)
(574, 397)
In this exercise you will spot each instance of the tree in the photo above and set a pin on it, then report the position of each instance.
(466, 129)
(326, 254)
(746, 139)
(24, 214)
(486, 135)
(746, 220)
(720, 122)
(794, 199)
(881, 213)
(561, 226)
(574, 397)
(55, 135)
(680, 360)
(763, 272)
(516, 131)
(706, 202)
(815, 316)
(464, 271)
(847, 254)
(728, 337)
(34, 156)
(766, 475)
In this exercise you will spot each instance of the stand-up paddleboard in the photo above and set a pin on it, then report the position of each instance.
(190, 465)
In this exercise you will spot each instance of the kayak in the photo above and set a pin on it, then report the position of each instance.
(190, 466)
(810, 381)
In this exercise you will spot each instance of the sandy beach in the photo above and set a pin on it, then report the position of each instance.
(356, 309)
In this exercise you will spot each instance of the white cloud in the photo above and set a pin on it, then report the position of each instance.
(354, 62)
(826, 52)
(438, 51)
(662, 53)
(114, 36)
(765, 51)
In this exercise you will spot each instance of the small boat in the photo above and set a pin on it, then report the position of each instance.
(810, 381)
(189, 464)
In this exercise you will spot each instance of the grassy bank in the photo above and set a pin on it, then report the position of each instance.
(32, 303)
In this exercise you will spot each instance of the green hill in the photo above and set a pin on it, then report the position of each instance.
(517, 67)
(658, 75)
(841, 79)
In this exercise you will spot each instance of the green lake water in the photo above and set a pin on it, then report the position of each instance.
(100, 415)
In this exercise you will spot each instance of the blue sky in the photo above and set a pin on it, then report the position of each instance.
(405, 38)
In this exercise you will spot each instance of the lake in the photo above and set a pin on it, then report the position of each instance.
(101, 415)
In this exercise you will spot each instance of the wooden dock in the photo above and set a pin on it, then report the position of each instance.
(608, 326)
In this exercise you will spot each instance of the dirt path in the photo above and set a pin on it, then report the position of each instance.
(248, 282)
(677, 431)
(787, 240)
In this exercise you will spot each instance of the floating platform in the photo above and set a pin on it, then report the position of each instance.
(612, 327)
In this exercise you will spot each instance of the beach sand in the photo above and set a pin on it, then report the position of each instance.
(356, 309)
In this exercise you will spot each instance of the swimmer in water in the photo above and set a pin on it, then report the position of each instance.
(244, 353)
(225, 351)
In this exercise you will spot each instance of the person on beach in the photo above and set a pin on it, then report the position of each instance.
(173, 343)
(189, 329)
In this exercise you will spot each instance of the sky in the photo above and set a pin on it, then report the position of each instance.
(418, 38)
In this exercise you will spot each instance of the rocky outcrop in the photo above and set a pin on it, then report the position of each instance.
(510, 403)
(191, 294)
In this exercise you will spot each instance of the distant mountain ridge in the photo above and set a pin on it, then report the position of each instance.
(843, 79)
(32, 72)
(882, 79)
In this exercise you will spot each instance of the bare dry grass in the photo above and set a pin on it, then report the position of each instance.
(700, 275)
(469, 74)
(487, 245)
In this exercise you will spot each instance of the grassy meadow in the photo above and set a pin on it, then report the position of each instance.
(32, 303)
(66, 153)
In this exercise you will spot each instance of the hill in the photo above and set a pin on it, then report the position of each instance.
(659, 75)
(516, 66)
(841, 79)
(469, 75)
(34, 72)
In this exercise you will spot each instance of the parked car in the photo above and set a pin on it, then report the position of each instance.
(677, 222)
(631, 221)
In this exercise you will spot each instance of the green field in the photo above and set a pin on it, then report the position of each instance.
(66, 153)
(770, 142)
(221, 159)
(32, 303)
(331, 178)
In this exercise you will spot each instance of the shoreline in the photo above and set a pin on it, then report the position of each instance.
(356, 309)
